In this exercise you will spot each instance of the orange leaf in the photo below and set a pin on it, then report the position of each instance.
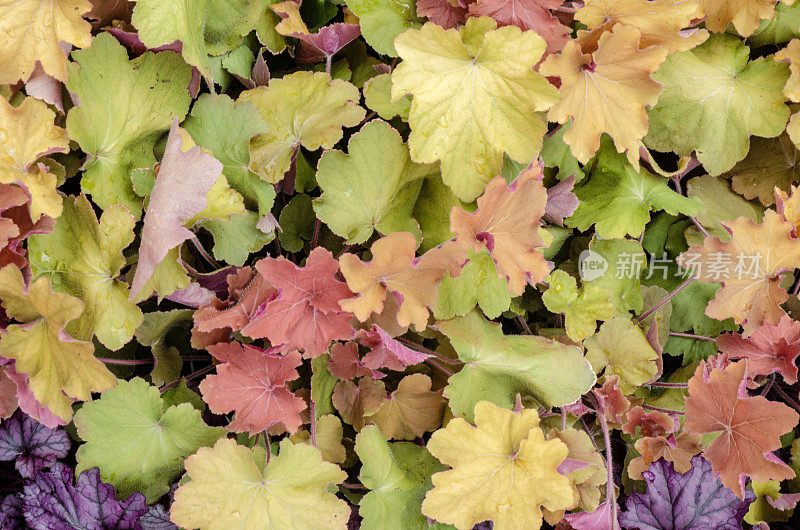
(770, 349)
(750, 426)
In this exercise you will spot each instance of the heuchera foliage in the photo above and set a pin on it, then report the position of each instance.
(405, 264)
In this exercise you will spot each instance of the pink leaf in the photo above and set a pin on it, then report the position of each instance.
(386, 352)
(769, 349)
(527, 15)
(346, 364)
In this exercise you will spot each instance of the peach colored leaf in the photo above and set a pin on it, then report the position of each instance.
(750, 426)
(606, 91)
(411, 410)
(252, 382)
(356, 401)
(664, 23)
(179, 193)
(744, 14)
(386, 352)
(749, 266)
(305, 314)
(771, 348)
(528, 15)
(16, 224)
(247, 293)
(676, 449)
(507, 224)
(396, 270)
(345, 362)
(444, 13)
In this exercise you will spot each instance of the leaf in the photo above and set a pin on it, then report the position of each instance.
(138, 443)
(695, 499)
(624, 262)
(750, 425)
(498, 366)
(305, 314)
(770, 505)
(356, 401)
(582, 308)
(297, 221)
(252, 382)
(676, 449)
(345, 362)
(721, 203)
(528, 15)
(432, 212)
(50, 500)
(16, 224)
(59, 367)
(398, 476)
(186, 172)
(386, 352)
(780, 28)
(225, 128)
(618, 199)
(586, 480)
(153, 333)
(749, 267)
(378, 97)
(355, 205)
(381, 22)
(469, 88)
(606, 91)
(661, 22)
(716, 114)
(27, 134)
(84, 258)
(444, 13)
(230, 485)
(770, 163)
(503, 470)
(32, 30)
(507, 223)
(620, 348)
(478, 283)
(303, 108)
(411, 410)
(743, 14)
(395, 269)
(771, 348)
(248, 291)
(125, 108)
(31, 445)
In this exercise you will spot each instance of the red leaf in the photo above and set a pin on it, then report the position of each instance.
(442, 12)
(750, 426)
(386, 352)
(769, 349)
(252, 382)
(346, 364)
(248, 292)
(527, 15)
(306, 314)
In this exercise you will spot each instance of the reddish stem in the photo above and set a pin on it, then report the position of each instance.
(691, 336)
(125, 362)
(198, 373)
(666, 299)
(661, 409)
(422, 349)
(669, 385)
(611, 494)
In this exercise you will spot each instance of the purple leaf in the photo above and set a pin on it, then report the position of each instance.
(695, 500)
(561, 202)
(33, 445)
(52, 502)
(157, 518)
(11, 513)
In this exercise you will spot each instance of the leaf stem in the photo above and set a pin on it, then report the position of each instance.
(787, 397)
(611, 494)
(769, 384)
(198, 373)
(316, 234)
(699, 227)
(524, 325)
(691, 336)
(665, 299)
(125, 362)
(662, 409)
(439, 366)
(668, 385)
(422, 349)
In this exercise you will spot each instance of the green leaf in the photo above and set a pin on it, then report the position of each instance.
(225, 127)
(322, 384)
(582, 308)
(297, 223)
(620, 348)
(378, 97)
(137, 441)
(479, 284)
(126, 106)
(470, 88)
(498, 367)
(303, 108)
(153, 333)
(556, 154)
(432, 212)
(398, 475)
(373, 187)
(625, 261)
(382, 21)
(713, 100)
(722, 204)
(617, 199)
(182, 394)
(782, 27)
(84, 258)
(236, 238)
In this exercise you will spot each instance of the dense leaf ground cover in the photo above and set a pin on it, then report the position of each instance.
(384, 264)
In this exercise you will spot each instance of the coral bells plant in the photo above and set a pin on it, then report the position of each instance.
(432, 264)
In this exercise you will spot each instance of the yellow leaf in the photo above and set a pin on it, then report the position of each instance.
(411, 410)
(503, 470)
(744, 14)
(661, 22)
(31, 30)
(475, 96)
(27, 133)
(60, 368)
(292, 21)
(232, 486)
(791, 54)
(606, 92)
